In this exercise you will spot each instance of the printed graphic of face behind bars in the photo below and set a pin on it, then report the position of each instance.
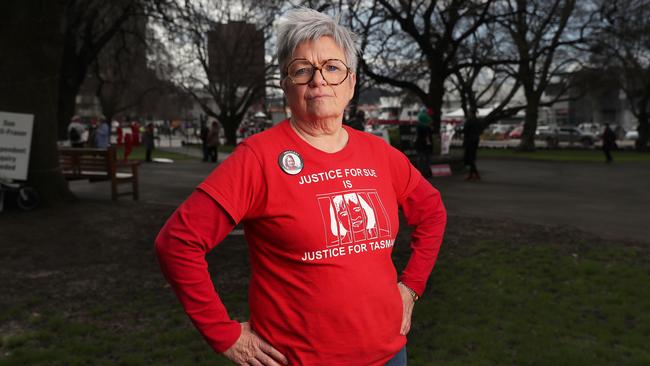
(353, 217)
(350, 215)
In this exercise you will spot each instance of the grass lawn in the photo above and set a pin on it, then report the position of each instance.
(594, 155)
(502, 293)
(498, 304)
(139, 153)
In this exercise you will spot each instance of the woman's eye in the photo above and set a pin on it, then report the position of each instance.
(302, 71)
(331, 68)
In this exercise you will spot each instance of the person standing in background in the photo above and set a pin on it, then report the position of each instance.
(77, 132)
(102, 134)
(148, 140)
(423, 143)
(213, 142)
(128, 146)
(135, 133)
(119, 134)
(609, 142)
(471, 139)
(204, 141)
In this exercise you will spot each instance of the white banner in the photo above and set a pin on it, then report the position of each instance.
(445, 139)
(15, 144)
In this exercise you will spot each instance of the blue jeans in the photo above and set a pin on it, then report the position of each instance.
(399, 359)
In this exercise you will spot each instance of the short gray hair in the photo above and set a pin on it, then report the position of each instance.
(303, 24)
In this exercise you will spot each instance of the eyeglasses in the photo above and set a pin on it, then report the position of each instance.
(300, 71)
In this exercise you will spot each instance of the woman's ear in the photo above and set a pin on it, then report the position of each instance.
(283, 85)
(353, 83)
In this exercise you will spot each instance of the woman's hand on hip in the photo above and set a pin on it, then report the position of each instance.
(252, 350)
(407, 302)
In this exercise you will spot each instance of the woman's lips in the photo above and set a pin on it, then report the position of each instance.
(311, 97)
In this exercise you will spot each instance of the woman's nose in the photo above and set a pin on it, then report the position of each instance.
(318, 79)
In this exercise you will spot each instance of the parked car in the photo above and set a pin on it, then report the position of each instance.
(497, 131)
(516, 132)
(553, 135)
(544, 132)
(594, 130)
(632, 134)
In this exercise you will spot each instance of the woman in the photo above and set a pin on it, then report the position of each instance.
(320, 226)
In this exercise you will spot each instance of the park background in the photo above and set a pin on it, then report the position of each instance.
(545, 261)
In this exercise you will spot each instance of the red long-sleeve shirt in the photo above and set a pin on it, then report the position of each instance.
(323, 287)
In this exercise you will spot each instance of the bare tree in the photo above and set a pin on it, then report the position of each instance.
(623, 46)
(413, 45)
(120, 76)
(541, 39)
(89, 25)
(482, 77)
(221, 56)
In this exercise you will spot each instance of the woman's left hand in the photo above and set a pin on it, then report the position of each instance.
(407, 302)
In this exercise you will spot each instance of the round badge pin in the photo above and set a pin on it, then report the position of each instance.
(290, 162)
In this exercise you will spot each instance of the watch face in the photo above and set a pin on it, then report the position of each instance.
(290, 162)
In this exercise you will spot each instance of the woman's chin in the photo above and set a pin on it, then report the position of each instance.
(322, 114)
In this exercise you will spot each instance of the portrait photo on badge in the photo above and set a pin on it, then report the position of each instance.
(290, 162)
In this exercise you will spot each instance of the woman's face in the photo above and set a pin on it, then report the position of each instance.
(317, 100)
(290, 162)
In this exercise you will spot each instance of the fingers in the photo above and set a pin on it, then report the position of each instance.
(266, 360)
(407, 311)
(406, 325)
(252, 350)
(262, 356)
(274, 353)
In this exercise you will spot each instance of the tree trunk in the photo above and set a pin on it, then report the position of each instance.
(72, 75)
(230, 126)
(530, 126)
(644, 132)
(435, 101)
(29, 83)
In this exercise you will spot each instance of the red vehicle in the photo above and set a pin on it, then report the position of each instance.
(516, 132)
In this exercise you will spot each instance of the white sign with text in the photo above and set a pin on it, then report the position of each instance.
(15, 144)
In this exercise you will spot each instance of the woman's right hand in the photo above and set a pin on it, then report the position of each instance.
(252, 350)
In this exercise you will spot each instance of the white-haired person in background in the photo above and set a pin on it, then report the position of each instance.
(315, 297)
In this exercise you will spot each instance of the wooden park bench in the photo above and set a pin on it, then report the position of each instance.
(99, 165)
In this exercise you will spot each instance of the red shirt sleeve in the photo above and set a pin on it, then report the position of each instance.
(423, 209)
(196, 227)
(238, 184)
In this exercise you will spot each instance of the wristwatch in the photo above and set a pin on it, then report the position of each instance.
(410, 290)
